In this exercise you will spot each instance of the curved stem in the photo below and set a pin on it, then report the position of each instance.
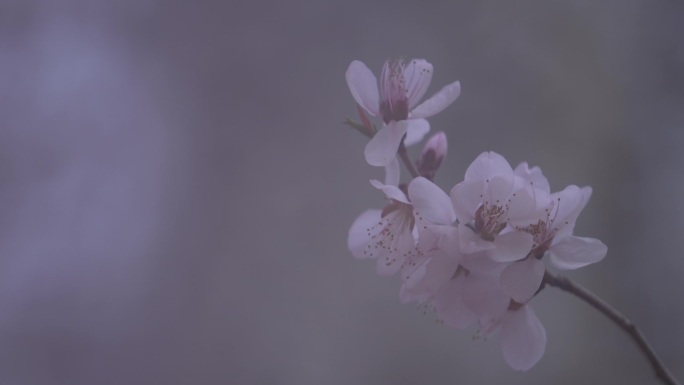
(571, 287)
(403, 154)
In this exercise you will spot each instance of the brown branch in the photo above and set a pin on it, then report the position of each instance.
(567, 285)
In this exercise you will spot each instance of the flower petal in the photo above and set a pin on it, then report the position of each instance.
(482, 295)
(391, 192)
(383, 147)
(466, 198)
(432, 275)
(450, 306)
(511, 246)
(523, 339)
(521, 205)
(363, 86)
(417, 77)
(533, 176)
(358, 238)
(393, 172)
(430, 202)
(499, 189)
(471, 242)
(522, 279)
(575, 252)
(438, 102)
(479, 263)
(417, 129)
(487, 165)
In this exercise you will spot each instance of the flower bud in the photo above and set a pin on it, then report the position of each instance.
(432, 156)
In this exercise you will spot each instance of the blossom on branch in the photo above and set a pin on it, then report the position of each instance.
(402, 86)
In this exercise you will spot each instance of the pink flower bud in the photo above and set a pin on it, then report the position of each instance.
(433, 154)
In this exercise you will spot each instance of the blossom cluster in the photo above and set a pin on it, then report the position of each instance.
(476, 255)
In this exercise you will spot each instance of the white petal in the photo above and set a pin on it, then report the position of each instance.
(433, 275)
(417, 78)
(358, 238)
(450, 306)
(391, 192)
(575, 252)
(438, 102)
(569, 203)
(511, 246)
(466, 198)
(417, 129)
(521, 205)
(363, 86)
(487, 165)
(479, 263)
(431, 202)
(522, 279)
(482, 295)
(533, 176)
(523, 339)
(449, 241)
(406, 296)
(471, 242)
(383, 147)
(393, 172)
(499, 189)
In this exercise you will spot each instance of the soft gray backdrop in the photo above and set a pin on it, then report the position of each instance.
(176, 185)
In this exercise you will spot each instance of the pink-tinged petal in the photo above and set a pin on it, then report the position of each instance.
(432, 275)
(438, 102)
(417, 78)
(586, 193)
(521, 205)
(391, 192)
(511, 246)
(482, 295)
(499, 189)
(523, 338)
(533, 176)
(471, 242)
(430, 202)
(417, 129)
(466, 198)
(569, 203)
(363, 86)
(393, 172)
(522, 279)
(449, 241)
(575, 252)
(358, 238)
(450, 306)
(479, 263)
(383, 147)
(488, 165)
(406, 296)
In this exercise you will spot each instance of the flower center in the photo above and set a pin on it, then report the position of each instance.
(488, 220)
(544, 230)
(388, 236)
(394, 103)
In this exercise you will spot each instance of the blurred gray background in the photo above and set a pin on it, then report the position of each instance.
(176, 185)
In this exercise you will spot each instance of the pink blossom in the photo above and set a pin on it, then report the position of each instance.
(490, 196)
(402, 86)
(384, 235)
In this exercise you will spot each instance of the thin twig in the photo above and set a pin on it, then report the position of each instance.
(403, 154)
(567, 285)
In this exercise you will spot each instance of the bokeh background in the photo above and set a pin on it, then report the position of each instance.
(176, 185)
